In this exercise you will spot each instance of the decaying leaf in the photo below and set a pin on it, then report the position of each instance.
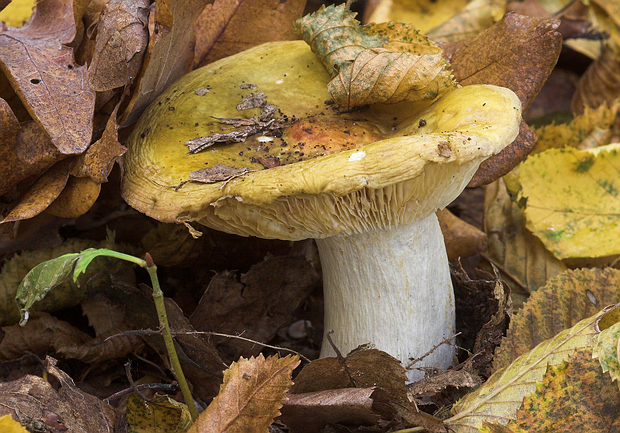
(122, 36)
(169, 54)
(227, 27)
(525, 264)
(572, 204)
(388, 63)
(565, 300)
(235, 304)
(462, 239)
(39, 63)
(250, 397)
(161, 415)
(77, 197)
(573, 396)
(519, 53)
(499, 398)
(477, 16)
(607, 351)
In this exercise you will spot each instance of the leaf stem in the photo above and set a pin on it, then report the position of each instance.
(158, 297)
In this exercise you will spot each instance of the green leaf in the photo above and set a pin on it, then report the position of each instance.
(90, 254)
(41, 279)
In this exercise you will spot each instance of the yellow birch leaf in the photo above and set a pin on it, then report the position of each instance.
(161, 415)
(250, 397)
(573, 203)
(578, 130)
(565, 300)
(424, 14)
(607, 350)
(499, 398)
(9, 425)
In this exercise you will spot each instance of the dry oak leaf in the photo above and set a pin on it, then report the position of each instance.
(39, 64)
(227, 27)
(565, 300)
(169, 53)
(250, 397)
(575, 396)
(379, 63)
(519, 53)
(499, 398)
(122, 37)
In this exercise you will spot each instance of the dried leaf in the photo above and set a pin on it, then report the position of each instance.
(386, 63)
(78, 196)
(600, 83)
(577, 386)
(462, 239)
(42, 193)
(500, 397)
(519, 53)
(98, 160)
(235, 304)
(169, 54)
(310, 412)
(572, 202)
(227, 27)
(250, 397)
(477, 16)
(122, 37)
(217, 173)
(161, 415)
(525, 263)
(565, 300)
(39, 63)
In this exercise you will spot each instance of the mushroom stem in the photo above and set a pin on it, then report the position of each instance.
(391, 288)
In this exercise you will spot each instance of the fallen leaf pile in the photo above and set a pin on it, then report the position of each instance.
(539, 324)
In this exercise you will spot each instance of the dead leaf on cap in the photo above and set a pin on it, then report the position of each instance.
(227, 27)
(42, 193)
(122, 37)
(169, 53)
(217, 173)
(519, 53)
(39, 64)
(98, 160)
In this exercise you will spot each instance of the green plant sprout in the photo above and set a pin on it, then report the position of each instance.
(45, 276)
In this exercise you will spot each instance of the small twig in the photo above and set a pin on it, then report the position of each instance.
(167, 387)
(142, 332)
(328, 335)
(132, 384)
(442, 342)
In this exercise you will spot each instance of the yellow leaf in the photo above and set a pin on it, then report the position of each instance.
(17, 12)
(565, 300)
(161, 415)
(425, 14)
(9, 425)
(500, 397)
(607, 350)
(573, 203)
(250, 397)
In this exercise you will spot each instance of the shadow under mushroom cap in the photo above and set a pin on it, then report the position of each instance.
(368, 169)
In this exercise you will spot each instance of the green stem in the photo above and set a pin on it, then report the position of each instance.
(158, 297)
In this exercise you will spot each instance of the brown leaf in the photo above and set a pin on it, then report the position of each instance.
(415, 417)
(565, 300)
(42, 193)
(122, 37)
(310, 412)
(367, 368)
(39, 64)
(234, 304)
(34, 400)
(462, 239)
(169, 53)
(250, 397)
(77, 197)
(227, 27)
(600, 83)
(519, 53)
(98, 160)
(25, 153)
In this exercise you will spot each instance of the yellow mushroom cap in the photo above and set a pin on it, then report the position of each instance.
(340, 173)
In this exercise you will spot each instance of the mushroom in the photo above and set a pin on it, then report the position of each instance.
(365, 184)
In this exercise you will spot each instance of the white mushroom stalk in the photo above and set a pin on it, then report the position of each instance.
(391, 288)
